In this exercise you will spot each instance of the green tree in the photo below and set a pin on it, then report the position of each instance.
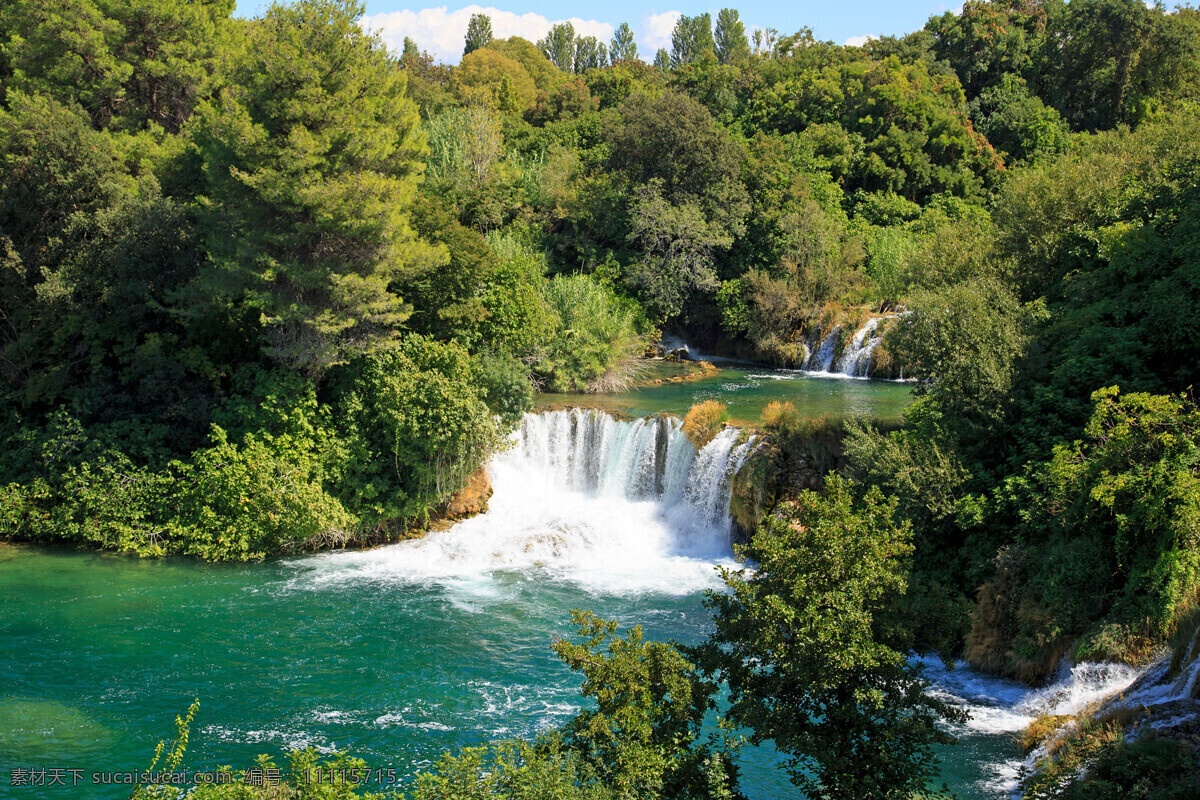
(307, 209)
(988, 40)
(622, 47)
(559, 46)
(962, 344)
(732, 46)
(643, 737)
(662, 60)
(1018, 124)
(128, 63)
(676, 140)
(677, 246)
(804, 641)
(1117, 61)
(53, 168)
(691, 38)
(590, 53)
(479, 33)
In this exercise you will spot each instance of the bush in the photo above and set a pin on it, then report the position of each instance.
(598, 338)
(507, 389)
(1147, 769)
(264, 496)
(704, 421)
(413, 426)
(780, 416)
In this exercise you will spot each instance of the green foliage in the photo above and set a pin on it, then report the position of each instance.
(732, 46)
(811, 663)
(507, 389)
(239, 502)
(962, 343)
(479, 33)
(231, 501)
(1128, 494)
(448, 291)
(129, 64)
(308, 210)
(414, 427)
(1149, 768)
(622, 47)
(597, 336)
(913, 138)
(519, 319)
(1018, 124)
(559, 46)
(677, 246)
(53, 166)
(691, 39)
(568, 101)
(642, 737)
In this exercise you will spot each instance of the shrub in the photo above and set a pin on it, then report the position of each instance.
(598, 338)
(704, 421)
(507, 389)
(264, 496)
(780, 416)
(413, 426)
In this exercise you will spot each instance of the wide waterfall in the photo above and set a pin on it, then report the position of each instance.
(647, 459)
(581, 497)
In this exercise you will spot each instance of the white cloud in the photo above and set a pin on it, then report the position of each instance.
(859, 41)
(441, 31)
(656, 32)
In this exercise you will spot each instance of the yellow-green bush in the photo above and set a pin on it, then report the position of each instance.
(704, 421)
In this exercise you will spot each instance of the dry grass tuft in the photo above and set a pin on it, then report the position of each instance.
(704, 421)
(780, 416)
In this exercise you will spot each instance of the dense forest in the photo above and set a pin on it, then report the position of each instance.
(270, 287)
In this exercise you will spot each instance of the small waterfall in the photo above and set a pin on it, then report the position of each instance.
(856, 359)
(821, 359)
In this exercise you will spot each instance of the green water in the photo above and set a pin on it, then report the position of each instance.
(747, 390)
(99, 652)
(395, 655)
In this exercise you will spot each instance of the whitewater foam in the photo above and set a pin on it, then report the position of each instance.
(614, 507)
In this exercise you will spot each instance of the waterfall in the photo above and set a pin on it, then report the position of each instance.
(615, 507)
(592, 453)
(821, 359)
(856, 359)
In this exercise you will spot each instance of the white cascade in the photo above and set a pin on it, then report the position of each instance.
(650, 458)
(821, 359)
(856, 358)
(616, 507)
(1003, 708)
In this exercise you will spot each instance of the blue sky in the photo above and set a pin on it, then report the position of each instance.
(440, 28)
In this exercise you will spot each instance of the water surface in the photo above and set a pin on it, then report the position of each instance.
(747, 389)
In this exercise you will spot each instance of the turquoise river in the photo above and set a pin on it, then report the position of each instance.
(401, 653)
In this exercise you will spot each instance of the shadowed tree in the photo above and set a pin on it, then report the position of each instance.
(731, 42)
